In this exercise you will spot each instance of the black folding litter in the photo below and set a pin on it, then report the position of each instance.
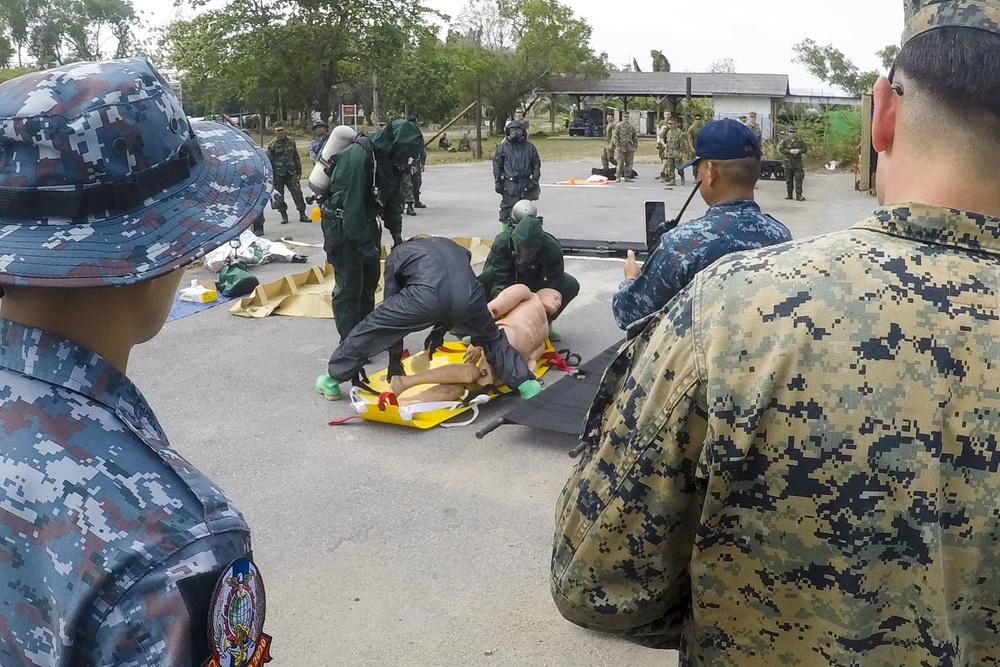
(563, 406)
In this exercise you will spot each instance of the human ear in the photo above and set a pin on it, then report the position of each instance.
(885, 105)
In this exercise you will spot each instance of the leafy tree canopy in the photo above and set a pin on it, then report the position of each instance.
(827, 63)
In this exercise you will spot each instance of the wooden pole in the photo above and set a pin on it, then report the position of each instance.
(449, 124)
(479, 118)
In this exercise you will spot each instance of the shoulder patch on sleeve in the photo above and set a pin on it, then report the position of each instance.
(236, 618)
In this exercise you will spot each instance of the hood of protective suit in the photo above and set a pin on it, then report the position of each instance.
(398, 139)
(515, 131)
(528, 233)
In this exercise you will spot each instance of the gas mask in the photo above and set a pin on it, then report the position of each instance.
(515, 134)
(527, 264)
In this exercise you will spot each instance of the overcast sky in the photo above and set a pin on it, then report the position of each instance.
(757, 34)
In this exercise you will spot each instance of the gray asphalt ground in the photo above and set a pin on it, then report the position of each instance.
(381, 545)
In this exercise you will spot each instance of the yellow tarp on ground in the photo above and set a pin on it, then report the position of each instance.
(307, 294)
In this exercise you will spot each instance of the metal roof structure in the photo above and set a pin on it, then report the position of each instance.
(673, 84)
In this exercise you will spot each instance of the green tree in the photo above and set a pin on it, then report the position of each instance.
(660, 62)
(53, 32)
(888, 55)
(299, 55)
(514, 47)
(829, 64)
(723, 66)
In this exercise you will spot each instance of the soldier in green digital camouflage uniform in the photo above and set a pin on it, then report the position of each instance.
(797, 462)
(287, 165)
(792, 148)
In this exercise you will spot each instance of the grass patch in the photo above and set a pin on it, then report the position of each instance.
(550, 149)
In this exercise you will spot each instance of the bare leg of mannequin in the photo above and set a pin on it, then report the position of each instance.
(459, 374)
(442, 392)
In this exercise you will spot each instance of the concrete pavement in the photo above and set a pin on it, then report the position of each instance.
(388, 546)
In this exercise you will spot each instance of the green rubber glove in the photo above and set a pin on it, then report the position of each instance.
(529, 388)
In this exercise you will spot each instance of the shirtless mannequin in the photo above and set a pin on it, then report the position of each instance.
(521, 314)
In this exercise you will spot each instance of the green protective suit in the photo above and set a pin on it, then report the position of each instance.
(365, 186)
(544, 268)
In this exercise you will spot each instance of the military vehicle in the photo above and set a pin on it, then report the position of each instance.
(586, 123)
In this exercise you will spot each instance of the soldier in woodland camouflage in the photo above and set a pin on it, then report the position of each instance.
(674, 144)
(112, 543)
(796, 462)
(608, 151)
(287, 165)
(692, 136)
(626, 141)
(661, 144)
(792, 148)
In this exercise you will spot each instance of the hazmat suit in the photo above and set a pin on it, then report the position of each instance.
(364, 187)
(528, 255)
(516, 169)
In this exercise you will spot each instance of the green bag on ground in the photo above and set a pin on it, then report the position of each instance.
(236, 280)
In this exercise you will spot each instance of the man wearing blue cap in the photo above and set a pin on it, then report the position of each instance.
(111, 544)
(728, 160)
(797, 463)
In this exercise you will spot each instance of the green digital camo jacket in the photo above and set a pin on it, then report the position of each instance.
(366, 186)
(797, 462)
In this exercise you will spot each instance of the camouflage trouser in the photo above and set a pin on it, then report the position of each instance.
(291, 181)
(625, 163)
(670, 165)
(406, 188)
(417, 179)
(794, 177)
(607, 155)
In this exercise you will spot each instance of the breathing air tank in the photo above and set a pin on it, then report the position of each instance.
(319, 180)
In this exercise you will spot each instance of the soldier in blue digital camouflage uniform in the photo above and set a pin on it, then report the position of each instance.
(321, 132)
(728, 159)
(797, 462)
(111, 543)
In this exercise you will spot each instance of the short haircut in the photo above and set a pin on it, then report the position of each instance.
(958, 68)
(744, 171)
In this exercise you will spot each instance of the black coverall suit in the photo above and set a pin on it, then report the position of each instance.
(428, 283)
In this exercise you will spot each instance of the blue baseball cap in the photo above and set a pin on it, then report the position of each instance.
(724, 139)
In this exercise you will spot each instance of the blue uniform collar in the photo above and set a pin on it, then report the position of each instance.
(48, 358)
(736, 204)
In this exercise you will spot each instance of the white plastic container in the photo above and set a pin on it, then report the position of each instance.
(198, 293)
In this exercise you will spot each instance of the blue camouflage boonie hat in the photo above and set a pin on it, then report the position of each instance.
(105, 181)
(725, 139)
(924, 15)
